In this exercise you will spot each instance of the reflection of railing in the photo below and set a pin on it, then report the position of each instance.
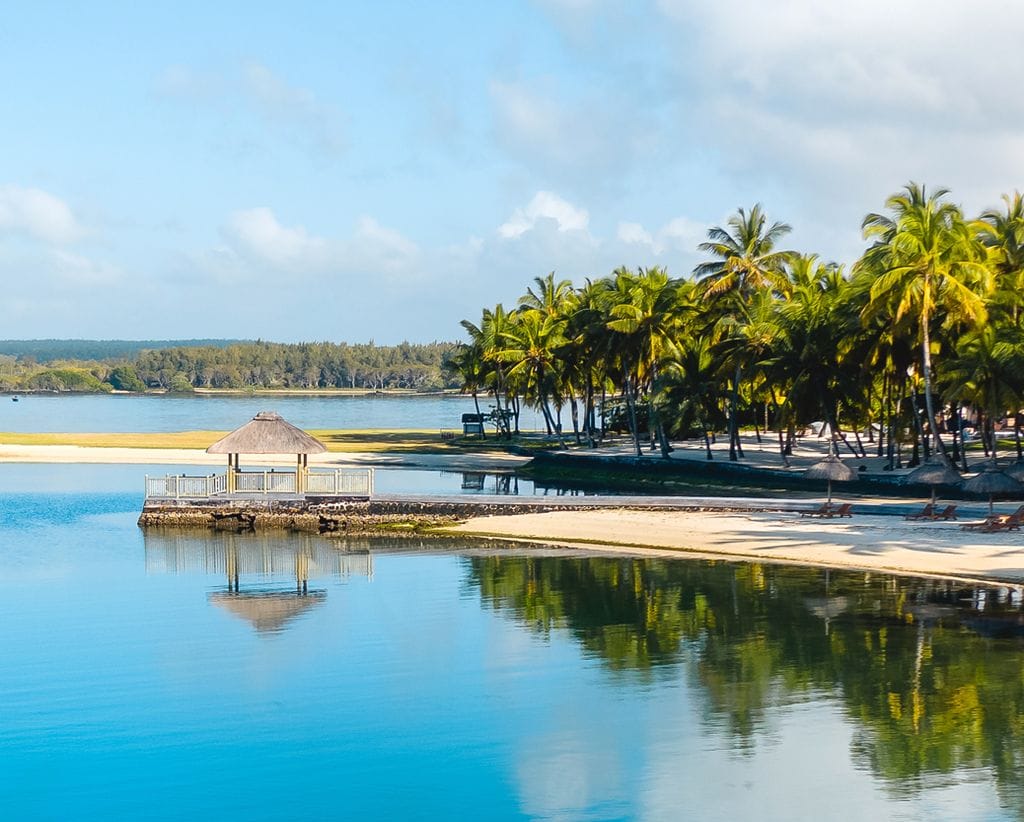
(336, 482)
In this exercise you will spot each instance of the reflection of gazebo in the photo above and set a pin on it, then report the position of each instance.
(268, 611)
(268, 433)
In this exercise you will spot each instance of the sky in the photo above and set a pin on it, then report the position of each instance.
(382, 170)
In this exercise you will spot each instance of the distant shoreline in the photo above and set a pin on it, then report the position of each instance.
(248, 392)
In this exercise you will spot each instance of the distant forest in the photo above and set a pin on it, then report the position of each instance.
(183, 366)
(47, 351)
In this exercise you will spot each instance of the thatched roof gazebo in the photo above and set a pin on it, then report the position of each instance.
(268, 433)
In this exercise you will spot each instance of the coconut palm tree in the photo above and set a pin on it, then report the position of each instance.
(1002, 232)
(644, 315)
(931, 268)
(745, 261)
(984, 371)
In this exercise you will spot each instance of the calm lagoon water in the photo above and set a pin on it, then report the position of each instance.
(138, 414)
(214, 675)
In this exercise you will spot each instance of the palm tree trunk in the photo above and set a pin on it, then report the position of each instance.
(631, 408)
(926, 360)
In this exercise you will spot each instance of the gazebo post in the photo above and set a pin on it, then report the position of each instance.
(299, 479)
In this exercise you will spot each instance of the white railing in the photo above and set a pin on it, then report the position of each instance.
(265, 482)
(336, 482)
(340, 482)
(180, 486)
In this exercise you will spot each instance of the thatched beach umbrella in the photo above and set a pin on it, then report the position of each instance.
(831, 468)
(268, 433)
(1016, 470)
(992, 481)
(934, 471)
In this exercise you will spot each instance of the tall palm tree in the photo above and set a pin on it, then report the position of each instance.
(985, 371)
(530, 341)
(644, 314)
(1002, 232)
(745, 261)
(931, 267)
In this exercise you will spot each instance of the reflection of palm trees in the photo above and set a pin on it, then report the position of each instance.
(926, 696)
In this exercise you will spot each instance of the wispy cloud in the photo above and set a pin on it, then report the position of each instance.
(292, 110)
(545, 206)
(39, 215)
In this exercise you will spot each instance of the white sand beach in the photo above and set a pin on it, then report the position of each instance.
(469, 461)
(881, 543)
(876, 543)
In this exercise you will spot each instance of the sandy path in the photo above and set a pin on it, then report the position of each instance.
(865, 542)
(186, 456)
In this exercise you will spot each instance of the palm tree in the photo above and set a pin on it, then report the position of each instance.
(1003, 234)
(984, 371)
(746, 261)
(930, 266)
(644, 314)
(529, 343)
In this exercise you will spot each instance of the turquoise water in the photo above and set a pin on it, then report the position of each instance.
(167, 675)
(128, 413)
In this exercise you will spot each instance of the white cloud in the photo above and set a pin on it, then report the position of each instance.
(38, 214)
(680, 234)
(586, 140)
(634, 234)
(258, 243)
(76, 270)
(544, 206)
(256, 234)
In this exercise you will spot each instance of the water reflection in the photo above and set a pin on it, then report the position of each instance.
(928, 672)
(252, 565)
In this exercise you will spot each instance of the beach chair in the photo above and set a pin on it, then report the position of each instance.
(824, 511)
(1012, 522)
(997, 522)
(947, 513)
(844, 510)
(928, 512)
(980, 525)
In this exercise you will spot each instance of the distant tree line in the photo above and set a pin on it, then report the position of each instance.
(49, 351)
(183, 368)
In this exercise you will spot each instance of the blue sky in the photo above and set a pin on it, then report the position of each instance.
(382, 170)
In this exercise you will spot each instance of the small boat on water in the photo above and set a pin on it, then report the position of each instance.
(14, 399)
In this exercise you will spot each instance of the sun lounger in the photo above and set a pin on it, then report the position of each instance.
(1010, 523)
(947, 513)
(980, 525)
(997, 522)
(928, 512)
(828, 511)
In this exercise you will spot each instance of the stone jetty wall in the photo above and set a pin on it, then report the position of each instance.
(369, 517)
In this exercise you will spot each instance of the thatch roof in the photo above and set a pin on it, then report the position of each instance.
(267, 433)
(831, 468)
(993, 481)
(935, 470)
(267, 611)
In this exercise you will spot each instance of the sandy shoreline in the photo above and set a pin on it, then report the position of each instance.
(874, 543)
(68, 454)
(879, 543)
